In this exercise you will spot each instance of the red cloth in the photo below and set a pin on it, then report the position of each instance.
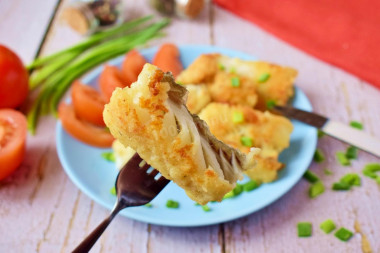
(345, 33)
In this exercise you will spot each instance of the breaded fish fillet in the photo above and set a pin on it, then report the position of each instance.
(243, 127)
(199, 96)
(151, 117)
(270, 82)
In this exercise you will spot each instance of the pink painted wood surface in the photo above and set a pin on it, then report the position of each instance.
(42, 210)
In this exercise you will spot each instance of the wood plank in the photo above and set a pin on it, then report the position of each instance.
(23, 25)
(338, 95)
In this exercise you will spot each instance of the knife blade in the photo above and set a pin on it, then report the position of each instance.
(340, 131)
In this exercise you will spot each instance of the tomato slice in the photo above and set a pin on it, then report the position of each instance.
(82, 130)
(167, 59)
(12, 141)
(88, 103)
(110, 78)
(132, 65)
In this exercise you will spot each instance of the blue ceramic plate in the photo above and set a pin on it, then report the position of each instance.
(96, 176)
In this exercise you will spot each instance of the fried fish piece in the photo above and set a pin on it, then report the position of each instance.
(270, 82)
(199, 96)
(151, 117)
(243, 127)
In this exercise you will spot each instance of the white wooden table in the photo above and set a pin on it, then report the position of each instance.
(41, 210)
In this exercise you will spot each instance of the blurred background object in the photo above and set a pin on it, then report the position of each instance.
(181, 8)
(88, 16)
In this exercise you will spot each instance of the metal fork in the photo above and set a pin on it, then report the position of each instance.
(134, 187)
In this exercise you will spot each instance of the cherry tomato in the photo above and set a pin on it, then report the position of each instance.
(12, 141)
(167, 59)
(88, 103)
(109, 79)
(132, 65)
(82, 130)
(13, 79)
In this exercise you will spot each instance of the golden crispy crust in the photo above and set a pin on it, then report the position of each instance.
(151, 118)
(269, 132)
(216, 70)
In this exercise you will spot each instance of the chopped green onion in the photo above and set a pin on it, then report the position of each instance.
(316, 189)
(237, 117)
(229, 195)
(206, 208)
(352, 152)
(113, 191)
(327, 226)
(318, 156)
(235, 81)
(356, 124)
(263, 77)
(221, 66)
(351, 179)
(341, 186)
(238, 189)
(343, 234)
(250, 186)
(109, 156)
(342, 159)
(377, 180)
(327, 172)
(304, 229)
(310, 176)
(233, 70)
(148, 205)
(270, 104)
(371, 169)
(246, 141)
(320, 134)
(172, 204)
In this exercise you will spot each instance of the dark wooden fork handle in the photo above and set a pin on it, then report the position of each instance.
(91, 239)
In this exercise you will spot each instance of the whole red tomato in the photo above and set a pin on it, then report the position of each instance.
(13, 79)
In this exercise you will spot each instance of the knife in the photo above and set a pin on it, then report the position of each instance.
(335, 129)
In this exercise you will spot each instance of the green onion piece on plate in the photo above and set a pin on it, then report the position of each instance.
(237, 117)
(235, 81)
(206, 208)
(109, 156)
(327, 226)
(263, 77)
(229, 195)
(172, 204)
(270, 104)
(221, 66)
(304, 229)
(113, 191)
(343, 234)
(316, 189)
(342, 159)
(250, 186)
(356, 124)
(246, 141)
(238, 189)
(148, 205)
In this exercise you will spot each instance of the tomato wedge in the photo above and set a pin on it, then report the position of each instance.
(82, 130)
(167, 59)
(132, 65)
(110, 78)
(88, 103)
(12, 141)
